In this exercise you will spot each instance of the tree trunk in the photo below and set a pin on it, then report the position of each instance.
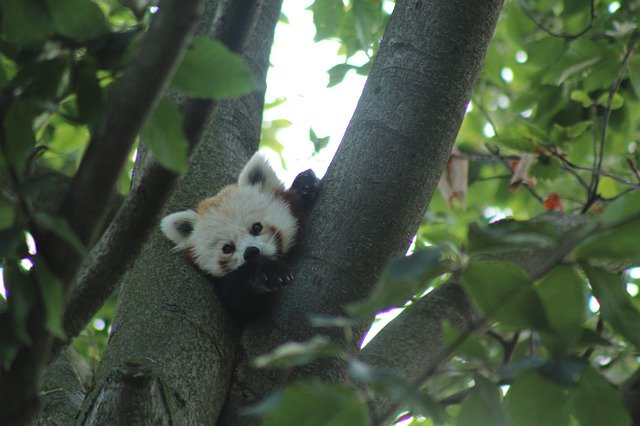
(379, 183)
(173, 354)
(172, 346)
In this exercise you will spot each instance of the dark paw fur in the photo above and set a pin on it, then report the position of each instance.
(271, 276)
(306, 183)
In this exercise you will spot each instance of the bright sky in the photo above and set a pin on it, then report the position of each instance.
(299, 74)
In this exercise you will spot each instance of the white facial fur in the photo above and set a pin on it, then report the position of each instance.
(227, 218)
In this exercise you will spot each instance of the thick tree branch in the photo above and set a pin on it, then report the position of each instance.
(125, 236)
(131, 101)
(380, 181)
(170, 328)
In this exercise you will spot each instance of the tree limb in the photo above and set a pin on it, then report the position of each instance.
(131, 101)
(124, 238)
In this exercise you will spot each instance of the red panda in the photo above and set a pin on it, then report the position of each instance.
(240, 237)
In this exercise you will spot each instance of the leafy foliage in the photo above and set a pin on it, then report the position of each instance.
(58, 63)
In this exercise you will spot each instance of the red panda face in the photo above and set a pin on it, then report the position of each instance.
(239, 225)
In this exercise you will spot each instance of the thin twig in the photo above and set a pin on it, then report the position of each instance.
(529, 12)
(633, 168)
(496, 152)
(565, 164)
(593, 194)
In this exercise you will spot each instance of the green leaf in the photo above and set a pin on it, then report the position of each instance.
(617, 246)
(338, 72)
(563, 296)
(596, 402)
(503, 292)
(510, 233)
(210, 70)
(634, 74)
(7, 216)
(318, 143)
(19, 138)
(483, 406)
(165, 137)
(403, 278)
(533, 400)
(292, 354)
(25, 23)
(617, 308)
(389, 385)
(582, 97)
(369, 18)
(328, 16)
(52, 296)
(315, 404)
(576, 130)
(623, 210)
(44, 80)
(616, 102)
(79, 20)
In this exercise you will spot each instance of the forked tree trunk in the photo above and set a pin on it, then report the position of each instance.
(175, 355)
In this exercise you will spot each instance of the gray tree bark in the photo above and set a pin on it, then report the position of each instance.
(379, 183)
(172, 347)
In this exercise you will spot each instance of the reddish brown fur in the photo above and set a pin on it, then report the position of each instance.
(216, 200)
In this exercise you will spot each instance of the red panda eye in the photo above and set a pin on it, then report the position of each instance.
(228, 248)
(256, 228)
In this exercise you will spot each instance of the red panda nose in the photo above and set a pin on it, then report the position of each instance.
(251, 253)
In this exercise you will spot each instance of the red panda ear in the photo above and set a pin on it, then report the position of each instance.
(258, 172)
(179, 226)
